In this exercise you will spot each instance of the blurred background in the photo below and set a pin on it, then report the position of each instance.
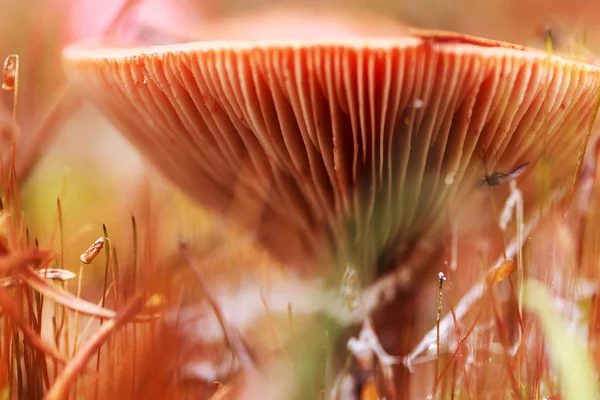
(66, 149)
(70, 147)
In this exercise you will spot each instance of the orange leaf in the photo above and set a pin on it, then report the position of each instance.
(369, 391)
(500, 273)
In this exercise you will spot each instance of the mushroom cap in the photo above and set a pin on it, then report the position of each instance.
(337, 146)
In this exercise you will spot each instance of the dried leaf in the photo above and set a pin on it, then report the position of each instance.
(500, 273)
(369, 391)
(56, 274)
(69, 300)
(156, 302)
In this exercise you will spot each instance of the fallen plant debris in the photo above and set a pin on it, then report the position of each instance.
(61, 275)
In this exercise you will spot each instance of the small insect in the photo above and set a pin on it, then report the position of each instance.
(500, 177)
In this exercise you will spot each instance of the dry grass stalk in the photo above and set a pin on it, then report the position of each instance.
(69, 300)
(12, 309)
(61, 386)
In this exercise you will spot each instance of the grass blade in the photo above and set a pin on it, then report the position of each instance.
(569, 354)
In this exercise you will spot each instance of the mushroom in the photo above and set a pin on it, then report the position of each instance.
(345, 150)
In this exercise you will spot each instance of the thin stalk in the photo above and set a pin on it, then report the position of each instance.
(76, 339)
(441, 279)
(115, 276)
(103, 301)
(17, 358)
(12, 309)
(87, 326)
(134, 279)
(291, 319)
(61, 387)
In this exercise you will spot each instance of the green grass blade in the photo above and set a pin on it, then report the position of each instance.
(569, 353)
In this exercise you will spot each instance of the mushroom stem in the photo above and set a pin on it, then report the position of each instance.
(307, 297)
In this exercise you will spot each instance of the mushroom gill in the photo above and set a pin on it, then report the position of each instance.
(338, 149)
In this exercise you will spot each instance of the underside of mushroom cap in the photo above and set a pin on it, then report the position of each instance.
(341, 146)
